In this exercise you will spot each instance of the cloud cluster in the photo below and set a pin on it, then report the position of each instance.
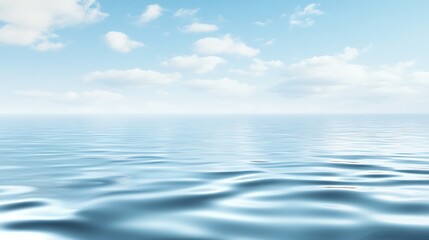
(337, 76)
(314, 81)
(225, 45)
(32, 23)
(304, 17)
(120, 42)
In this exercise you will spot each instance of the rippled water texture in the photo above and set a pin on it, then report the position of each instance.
(247, 177)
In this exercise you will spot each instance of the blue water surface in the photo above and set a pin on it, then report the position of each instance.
(297, 177)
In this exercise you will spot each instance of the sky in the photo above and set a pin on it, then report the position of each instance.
(204, 56)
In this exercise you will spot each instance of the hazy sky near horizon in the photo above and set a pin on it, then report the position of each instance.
(203, 56)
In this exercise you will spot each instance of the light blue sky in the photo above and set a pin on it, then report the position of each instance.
(203, 56)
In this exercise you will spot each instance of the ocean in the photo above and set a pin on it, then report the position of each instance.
(239, 177)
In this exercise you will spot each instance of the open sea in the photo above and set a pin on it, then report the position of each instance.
(296, 177)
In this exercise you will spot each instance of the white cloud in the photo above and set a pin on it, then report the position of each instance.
(329, 70)
(336, 75)
(349, 53)
(303, 17)
(421, 77)
(152, 12)
(259, 67)
(194, 63)
(324, 75)
(86, 97)
(31, 23)
(330, 67)
(120, 42)
(224, 86)
(46, 46)
(200, 27)
(132, 77)
(225, 45)
(186, 12)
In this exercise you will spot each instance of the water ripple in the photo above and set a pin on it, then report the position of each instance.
(248, 177)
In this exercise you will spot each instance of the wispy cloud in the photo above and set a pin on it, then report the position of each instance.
(186, 12)
(304, 17)
(270, 42)
(194, 63)
(48, 46)
(258, 67)
(131, 77)
(200, 28)
(263, 23)
(72, 97)
(224, 86)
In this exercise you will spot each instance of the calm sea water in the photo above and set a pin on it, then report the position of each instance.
(214, 177)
